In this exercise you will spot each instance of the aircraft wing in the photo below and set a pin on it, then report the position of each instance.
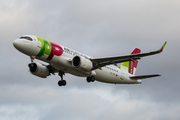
(52, 69)
(101, 62)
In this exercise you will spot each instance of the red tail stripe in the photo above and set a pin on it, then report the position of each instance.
(132, 64)
(136, 51)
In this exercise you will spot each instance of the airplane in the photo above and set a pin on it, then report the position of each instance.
(63, 60)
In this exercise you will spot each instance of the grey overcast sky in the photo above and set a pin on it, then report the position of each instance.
(98, 28)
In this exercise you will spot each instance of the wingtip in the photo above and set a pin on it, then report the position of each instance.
(163, 46)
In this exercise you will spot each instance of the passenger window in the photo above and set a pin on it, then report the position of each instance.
(27, 38)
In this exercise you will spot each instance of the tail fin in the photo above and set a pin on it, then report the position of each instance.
(130, 66)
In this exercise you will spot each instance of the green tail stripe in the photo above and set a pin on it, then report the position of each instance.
(125, 64)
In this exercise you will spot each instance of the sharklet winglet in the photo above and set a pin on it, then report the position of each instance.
(162, 48)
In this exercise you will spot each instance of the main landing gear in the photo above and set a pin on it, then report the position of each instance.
(61, 82)
(90, 79)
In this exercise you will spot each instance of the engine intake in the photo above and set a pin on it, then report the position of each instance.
(39, 70)
(82, 63)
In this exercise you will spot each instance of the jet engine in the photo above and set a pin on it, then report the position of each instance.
(82, 63)
(39, 70)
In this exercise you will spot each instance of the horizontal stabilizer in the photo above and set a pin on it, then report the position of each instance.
(144, 76)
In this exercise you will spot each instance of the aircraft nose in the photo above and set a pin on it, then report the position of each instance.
(16, 43)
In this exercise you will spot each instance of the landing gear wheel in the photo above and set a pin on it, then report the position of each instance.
(90, 79)
(62, 83)
(30, 65)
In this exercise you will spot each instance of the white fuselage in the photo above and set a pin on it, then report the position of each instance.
(107, 74)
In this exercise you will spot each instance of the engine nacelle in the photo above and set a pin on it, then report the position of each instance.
(39, 70)
(82, 63)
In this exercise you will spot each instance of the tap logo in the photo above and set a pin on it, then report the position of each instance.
(49, 48)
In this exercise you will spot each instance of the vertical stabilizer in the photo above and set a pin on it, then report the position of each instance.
(130, 66)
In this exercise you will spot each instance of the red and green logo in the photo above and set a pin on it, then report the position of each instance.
(49, 48)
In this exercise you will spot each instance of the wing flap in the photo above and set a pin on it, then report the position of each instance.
(144, 76)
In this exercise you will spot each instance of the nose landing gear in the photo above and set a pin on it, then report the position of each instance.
(31, 65)
(32, 61)
(60, 82)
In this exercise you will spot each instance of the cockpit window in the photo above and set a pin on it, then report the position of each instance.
(27, 38)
